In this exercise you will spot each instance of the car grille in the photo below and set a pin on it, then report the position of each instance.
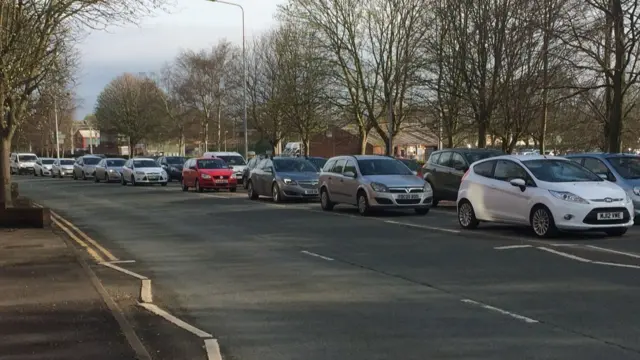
(308, 184)
(404, 190)
(604, 200)
(592, 216)
(408, 201)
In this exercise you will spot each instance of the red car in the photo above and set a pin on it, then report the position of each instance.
(208, 173)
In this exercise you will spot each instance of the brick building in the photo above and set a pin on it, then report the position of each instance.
(84, 139)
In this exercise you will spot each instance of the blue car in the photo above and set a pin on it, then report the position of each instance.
(622, 169)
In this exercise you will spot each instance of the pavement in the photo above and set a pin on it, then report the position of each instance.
(289, 281)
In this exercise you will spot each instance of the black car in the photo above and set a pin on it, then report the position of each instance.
(173, 166)
(445, 168)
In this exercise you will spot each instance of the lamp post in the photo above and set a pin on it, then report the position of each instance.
(244, 71)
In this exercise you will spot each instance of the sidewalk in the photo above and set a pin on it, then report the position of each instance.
(49, 308)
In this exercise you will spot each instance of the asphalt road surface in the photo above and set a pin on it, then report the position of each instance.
(290, 281)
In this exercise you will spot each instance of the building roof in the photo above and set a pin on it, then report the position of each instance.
(408, 136)
(90, 133)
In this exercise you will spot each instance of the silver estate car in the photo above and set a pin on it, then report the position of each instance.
(109, 169)
(373, 182)
(283, 178)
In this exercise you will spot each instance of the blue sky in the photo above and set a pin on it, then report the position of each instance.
(192, 24)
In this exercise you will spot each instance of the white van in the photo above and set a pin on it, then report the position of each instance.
(233, 159)
(21, 163)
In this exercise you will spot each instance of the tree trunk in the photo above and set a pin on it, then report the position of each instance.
(481, 120)
(615, 119)
(132, 150)
(5, 175)
(306, 143)
(363, 137)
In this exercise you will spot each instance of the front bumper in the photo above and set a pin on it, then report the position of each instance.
(64, 172)
(579, 217)
(26, 170)
(230, 183)
(46, 171)
(146, 179)
(399, 200)
(113, 176)
(299, 192)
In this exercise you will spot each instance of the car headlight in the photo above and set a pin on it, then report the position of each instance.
(377, 187)
(111, 171)
(567, 196)
(427, 188)
(206, 176)
(139, 172)
(636, 190)
(288, 181)
(628, 200)
(164, 173)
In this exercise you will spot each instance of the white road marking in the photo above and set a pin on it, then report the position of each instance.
(213, 349)
(501, 311)
(617, 264)
(421, 226)
(145, 291)
(512, 247)
(174, 320)
(121, 262)
(316, 255)
(614, 251)
(565, 245)
(560, 253)
(125, 271)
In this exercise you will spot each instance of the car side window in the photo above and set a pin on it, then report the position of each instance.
(128, 163)
(508, 170)
(484, 169)
(433, 159)
(577, 160)
(596, 166)
(457, 161)
(444, 159)
(350, 166)
(80, 161)
(328, 167)
(339, 166)
(267, 164)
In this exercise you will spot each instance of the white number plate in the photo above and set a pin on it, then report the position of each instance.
(221, 181)
(153, 178)
(311, 192)
(610, 216)
(408, 197)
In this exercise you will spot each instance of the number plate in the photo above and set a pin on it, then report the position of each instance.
(221, 181)
(610, 216)
(311, 192)
(153, 178)
(408, 197)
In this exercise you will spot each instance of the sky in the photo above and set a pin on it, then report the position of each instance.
(190, 24)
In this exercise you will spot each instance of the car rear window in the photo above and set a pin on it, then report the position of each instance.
(628, 167)
(91, 160)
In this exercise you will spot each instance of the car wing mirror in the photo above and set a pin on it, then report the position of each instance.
(603, 176)
(269, 170)
(521, 183)
(350, 174)
(193, 168)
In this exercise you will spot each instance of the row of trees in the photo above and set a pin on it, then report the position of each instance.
(550, 73)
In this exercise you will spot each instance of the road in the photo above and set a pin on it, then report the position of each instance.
(289, 281)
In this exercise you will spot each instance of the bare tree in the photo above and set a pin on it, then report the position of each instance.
(179, 116)
(130, 106)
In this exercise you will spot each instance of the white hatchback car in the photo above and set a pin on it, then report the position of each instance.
(143, 171)
(546, 193)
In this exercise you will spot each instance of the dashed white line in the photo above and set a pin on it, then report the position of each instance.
(316, 255)
(123, 270)
(564, 254)
(146, 295)
(501, 311)
(508, 247)
(174, 320)
(614, 251)
(213, 349)
(121, 262)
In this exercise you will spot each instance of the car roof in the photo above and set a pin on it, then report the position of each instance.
(602, 155)
(206, 158)
(143, 158)
(469, 150)
(523, 157)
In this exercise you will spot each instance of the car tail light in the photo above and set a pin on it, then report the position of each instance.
(466, 173)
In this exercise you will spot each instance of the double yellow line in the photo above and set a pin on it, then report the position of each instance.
(95, 250)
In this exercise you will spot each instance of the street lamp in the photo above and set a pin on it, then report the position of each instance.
(244, 70)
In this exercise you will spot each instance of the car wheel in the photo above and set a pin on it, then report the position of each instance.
(616, 231)
(233, 189)
(95, 178)
(542, 222)
(41, 173)
(325, 201)
(422, 211)
(363, 203)
(198, 188)
(123, 181)
(250, 191)
(184, 186)
(245, 184)
(75, 177)
(163, 184)
(275, 193)
(133, 180)
(84, 176)
(466, 215)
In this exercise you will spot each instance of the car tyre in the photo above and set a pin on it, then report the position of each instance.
(245, 183)
(133, 181)
(41, 173)
(422, 211)
(123, 181)
(275, 193)
(198, 188)
(163, 184)
(542, 223)
(325, 202)
(251, 192)
(363, 203)
(233, 189)
(619, 231)
(75, 177)
(184, 186)
(466, 215)
(95, 179)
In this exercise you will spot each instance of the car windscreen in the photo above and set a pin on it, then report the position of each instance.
(411, 164)
(232, 159)
(91, 160)
(176, 160)
(48, 161)
(212, 164)
(116, 162)
(480, 155)
(67, 162)
(628, 167)
(559, 171)
(383, 167)
(293, 165)
(144, 164)
(318, 162)
(27, 158)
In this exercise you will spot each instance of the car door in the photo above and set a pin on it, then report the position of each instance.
(77, 167)
(37, 167)
(336, 183)
(101, 169)
(349, 184)
(506, 202)
(187, 173)
(441, 176)
(457, 167)
(265, 176)
(126, 170)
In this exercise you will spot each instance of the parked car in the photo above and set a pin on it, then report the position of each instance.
(413, 165)
(43, 166)
(231, 158)
(547, 193)
(138, 171)
(622, 169)
(62, 168)
(253, 162)
(85, 167)
(317, 161)
(173, 166)
(22, 163)
(373, 182)
(208, 173)
(283, 178)
(109, 169)
(445, 168)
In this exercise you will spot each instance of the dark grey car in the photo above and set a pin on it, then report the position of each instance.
(445, 168)
(283, 178)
